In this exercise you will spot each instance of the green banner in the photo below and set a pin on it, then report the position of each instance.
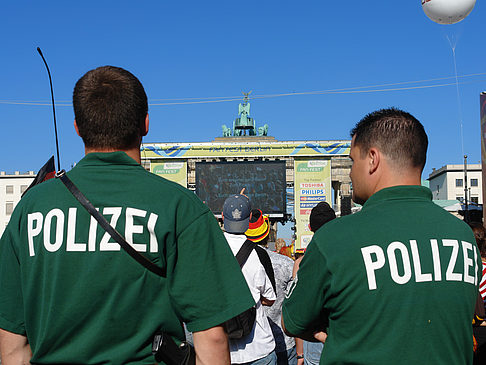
(235, 149)
(312, 184)
(174, 171)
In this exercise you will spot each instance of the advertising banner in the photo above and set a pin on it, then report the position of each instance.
(250, 149)
(482, 101)
(175, 171)
(312, 184)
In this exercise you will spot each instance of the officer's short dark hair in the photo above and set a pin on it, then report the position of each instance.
(398, 134)
(110, 106)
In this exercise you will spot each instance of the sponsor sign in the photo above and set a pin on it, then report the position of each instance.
(313, 198)
(175, 171)
(312, 182)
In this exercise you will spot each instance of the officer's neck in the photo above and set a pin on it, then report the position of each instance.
(131, 152)
(388, 174)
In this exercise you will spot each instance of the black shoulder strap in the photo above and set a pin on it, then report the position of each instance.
(267, 265)
(244, 252)
(149, 265)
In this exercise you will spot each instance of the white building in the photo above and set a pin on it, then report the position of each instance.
(447, 183)
(11, 189)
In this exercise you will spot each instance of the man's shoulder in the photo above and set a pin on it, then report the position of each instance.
(404, 215)
(280, 259)
(341, 225)
(160, 184)
(235, 241)
(172, 188)
(143, 190)
(146, 185)
(254, 262)
(40, 193)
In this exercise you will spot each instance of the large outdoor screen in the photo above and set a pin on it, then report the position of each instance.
(264, 183)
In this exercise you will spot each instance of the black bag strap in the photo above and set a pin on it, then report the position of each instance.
(244, 252)
(267, 265)
(149, 265)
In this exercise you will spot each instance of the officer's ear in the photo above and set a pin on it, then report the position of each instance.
(145, 126)
(76, 127)
(374, 157)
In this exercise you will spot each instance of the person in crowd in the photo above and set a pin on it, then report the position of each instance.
(279, 243)
(258, 347)
(480, 235)
(309, 353)
(258, 232)
(395, 283)
(69, 293)
(299, 254)
(480, 331)
(287, 250)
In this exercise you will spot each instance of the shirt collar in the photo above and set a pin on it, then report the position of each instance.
(103, 158)
(401, 192)
(235, 236)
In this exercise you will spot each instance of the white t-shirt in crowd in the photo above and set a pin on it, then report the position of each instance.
(259, 343)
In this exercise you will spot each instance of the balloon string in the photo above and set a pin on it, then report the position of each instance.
(453, 47)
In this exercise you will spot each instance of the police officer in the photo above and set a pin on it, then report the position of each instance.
(396, 282)
(70, 295)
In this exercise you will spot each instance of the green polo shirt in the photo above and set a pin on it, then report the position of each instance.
(80, 299)
(396, 282)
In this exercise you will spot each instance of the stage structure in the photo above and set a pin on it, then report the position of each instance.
(283, 178)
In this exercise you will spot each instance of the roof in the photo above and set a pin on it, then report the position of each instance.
(454, 168)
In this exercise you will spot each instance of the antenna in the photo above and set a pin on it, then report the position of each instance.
(53, 109)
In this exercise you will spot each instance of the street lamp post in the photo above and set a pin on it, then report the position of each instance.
(466, 208)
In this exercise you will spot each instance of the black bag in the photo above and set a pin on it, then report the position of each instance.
(241, 325)
(165, 349)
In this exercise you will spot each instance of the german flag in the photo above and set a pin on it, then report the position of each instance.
(48, 171)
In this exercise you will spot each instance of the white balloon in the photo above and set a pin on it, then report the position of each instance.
(447, 11)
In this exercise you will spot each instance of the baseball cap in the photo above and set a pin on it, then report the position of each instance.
(236, 213)
(259, 226)
(320, 214)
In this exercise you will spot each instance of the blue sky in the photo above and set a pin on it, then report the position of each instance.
(195, 49)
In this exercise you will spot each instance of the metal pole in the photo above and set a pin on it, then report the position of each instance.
(466, 210)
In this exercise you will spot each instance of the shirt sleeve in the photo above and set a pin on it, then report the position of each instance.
(312, 281)
(207, 286)
(11, 302)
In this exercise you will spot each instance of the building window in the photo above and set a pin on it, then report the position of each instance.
(460, 198)
(23, 188)
(9, 189)
(474, 182)
(8, 208)
(475, 199)
(459, 183)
